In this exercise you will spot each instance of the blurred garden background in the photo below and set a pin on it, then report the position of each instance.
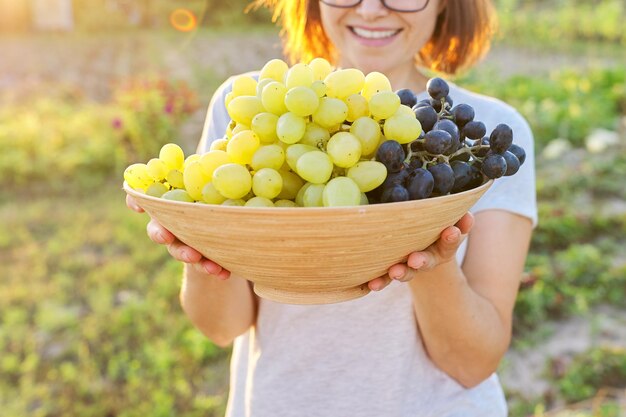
(90, 323)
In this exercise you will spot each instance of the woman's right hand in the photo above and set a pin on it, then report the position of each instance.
(176, 248)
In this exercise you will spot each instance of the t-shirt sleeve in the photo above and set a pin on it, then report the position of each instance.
(217, 118)
(516, 193)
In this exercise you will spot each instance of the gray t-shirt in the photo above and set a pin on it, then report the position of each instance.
(365, 357)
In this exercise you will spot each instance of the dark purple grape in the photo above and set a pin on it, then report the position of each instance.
(422, 103)
(482, 151)
(391, 154)
(394, 194)
(437, 88)
(494, 166)
(463, 114)
(474, 130)
(512, 163)
(393, 178)
(519, 152)
(464, 157)
(407, 97)
(420, 184)
(501, 138)
(427, 117)
(437, 141)
(462, 175)
(444, 178)
(450, 127)
(477, 177)
(414, 164)
(417, 145)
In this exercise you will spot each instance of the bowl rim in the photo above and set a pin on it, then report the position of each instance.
(282, 210)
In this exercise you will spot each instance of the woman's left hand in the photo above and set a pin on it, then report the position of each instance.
(442, 251)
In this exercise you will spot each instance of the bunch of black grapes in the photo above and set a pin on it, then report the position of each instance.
(452, 154)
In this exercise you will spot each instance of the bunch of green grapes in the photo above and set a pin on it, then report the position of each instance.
(305, 135)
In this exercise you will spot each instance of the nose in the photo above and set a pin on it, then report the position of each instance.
(371, 9)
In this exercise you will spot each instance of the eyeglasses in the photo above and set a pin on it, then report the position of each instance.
(403, 6)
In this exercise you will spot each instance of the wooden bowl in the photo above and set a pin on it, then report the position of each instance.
(310, 255)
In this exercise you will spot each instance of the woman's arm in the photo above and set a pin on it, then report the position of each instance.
(465, 313)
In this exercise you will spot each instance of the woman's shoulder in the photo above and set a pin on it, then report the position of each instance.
(485, 107)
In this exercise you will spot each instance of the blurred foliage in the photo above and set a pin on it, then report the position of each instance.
(91, 324)
(85, 143)
(599, 367)
(553, 22)
(566, 104)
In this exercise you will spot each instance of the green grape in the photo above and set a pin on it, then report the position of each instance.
(401, 128)
(177, 195)
(343, 83)
(273, 98)
(232, 181)
(299, 75)
(239, 127)
(242, 147)
(330, 112)
(290, 128)
(367, 174)
(218, 145)
(264, 125)
(195, 179)
(364, 200)
(210, 194)
(320, 88)
(138, 177)
(315, 167)
(301, 101)
(300, 194)
(291, 184)
(228, 98)
(312, 196)
(175, 178)
(315, 135)
(259, 202)
(234, 202)
(284, 203)
(357, 107)
(274, 69)
(367, 130)
(157, 169)
(242, 109)
(404, 110)
(267, 183)
(321, 68)
(211, 160)
(268, 156)
(384, 104)
(244, 85)
(341, 191)
(261, 85)
(172, 155)
(344, 149)
(156, 189)
(375, 82)
(191, 158)
(294, 152)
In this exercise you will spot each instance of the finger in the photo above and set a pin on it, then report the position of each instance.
(183, 253)
(211, 267)
(401, 272)
(131, 203)
(159, 234)
(465, 223)
(379, 283)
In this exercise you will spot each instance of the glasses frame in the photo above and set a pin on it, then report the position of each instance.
(384, 2)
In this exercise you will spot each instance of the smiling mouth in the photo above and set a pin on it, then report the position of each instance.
(374, 34)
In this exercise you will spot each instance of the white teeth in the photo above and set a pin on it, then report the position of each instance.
(379, 34)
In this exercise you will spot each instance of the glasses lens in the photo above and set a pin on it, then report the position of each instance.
(406, 5)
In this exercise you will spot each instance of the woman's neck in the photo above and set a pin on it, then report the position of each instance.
(410, 78)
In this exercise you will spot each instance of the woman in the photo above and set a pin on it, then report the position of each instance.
(430, 342)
